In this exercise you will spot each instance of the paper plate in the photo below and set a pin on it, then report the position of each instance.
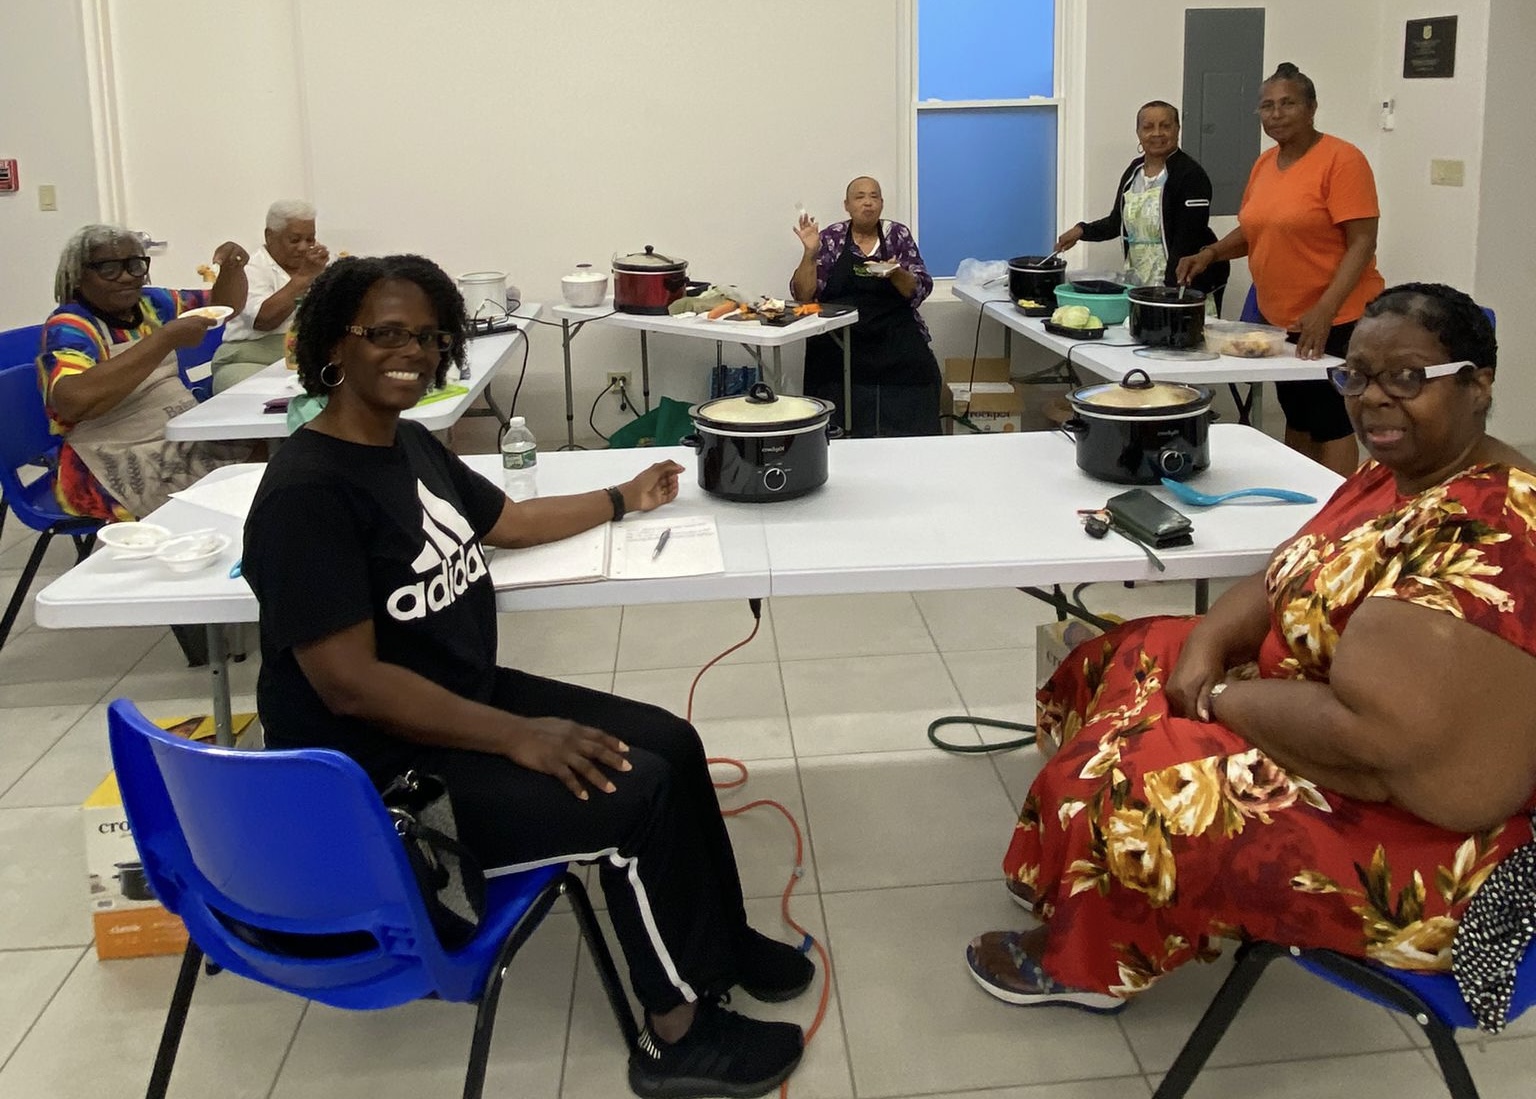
(883, 268)
(218, 314)
(1174, 354)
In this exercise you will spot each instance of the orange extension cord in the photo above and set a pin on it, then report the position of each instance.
(799, 870)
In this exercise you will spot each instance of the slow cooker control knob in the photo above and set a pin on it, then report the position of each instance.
(1171, 461)
(775, 479)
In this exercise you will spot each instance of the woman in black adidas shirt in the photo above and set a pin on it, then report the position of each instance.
(378, 637)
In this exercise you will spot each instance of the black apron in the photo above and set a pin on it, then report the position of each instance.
(895, 376)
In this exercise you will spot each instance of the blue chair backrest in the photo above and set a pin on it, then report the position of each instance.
(189, 359)
(284, 865)
(21, 345)
(1493, 321)
(26, 441)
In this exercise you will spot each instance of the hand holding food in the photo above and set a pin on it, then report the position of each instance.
(231, 253)
(314, 261)
(809, 232)
(206, 273)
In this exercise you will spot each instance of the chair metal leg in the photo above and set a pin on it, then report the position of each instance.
(23, 585)
(84, 543)
(175, 1021)
(586, 919)
(1251, 960)
(1442, 1039)
(490, 995)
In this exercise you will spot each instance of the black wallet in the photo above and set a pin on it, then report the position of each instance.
(1143, 515)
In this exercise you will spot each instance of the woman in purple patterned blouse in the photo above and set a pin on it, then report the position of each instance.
(874, 266)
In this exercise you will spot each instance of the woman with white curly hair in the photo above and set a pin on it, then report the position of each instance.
(277, 275)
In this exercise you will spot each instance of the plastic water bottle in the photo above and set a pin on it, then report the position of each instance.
(519, 460)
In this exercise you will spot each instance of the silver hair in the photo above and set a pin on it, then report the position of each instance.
(284, 210)
(78, 249)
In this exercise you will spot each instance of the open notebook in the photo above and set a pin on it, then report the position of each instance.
(615, 551)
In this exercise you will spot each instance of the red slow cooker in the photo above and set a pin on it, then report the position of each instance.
(647, 282)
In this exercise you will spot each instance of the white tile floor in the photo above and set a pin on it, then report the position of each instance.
(828, 706)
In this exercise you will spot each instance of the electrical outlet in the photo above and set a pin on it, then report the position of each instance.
(618, 382)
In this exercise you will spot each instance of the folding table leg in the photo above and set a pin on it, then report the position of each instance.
(218, 670)
(570, 401)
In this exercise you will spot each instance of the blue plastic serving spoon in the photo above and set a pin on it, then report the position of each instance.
(1205, 499)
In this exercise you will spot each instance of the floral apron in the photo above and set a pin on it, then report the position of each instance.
(127, 451)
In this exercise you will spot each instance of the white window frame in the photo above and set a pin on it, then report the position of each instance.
(1067, 99)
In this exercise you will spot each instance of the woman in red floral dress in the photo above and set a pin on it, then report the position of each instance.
(1342, 750)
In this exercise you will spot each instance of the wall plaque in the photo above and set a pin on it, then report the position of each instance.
(1429, 48)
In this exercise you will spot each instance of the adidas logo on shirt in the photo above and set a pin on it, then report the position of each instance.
(449, 562)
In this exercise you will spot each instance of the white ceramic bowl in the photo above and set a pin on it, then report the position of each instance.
(132, 537)
(584, 289)
(191, 552)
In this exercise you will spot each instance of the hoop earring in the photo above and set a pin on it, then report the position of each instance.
(341, 375)
(1140, 150)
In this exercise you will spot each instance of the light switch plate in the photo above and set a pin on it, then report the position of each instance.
(1447, 173)
(47, 198)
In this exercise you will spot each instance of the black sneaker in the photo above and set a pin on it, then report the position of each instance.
(771, 971)
(722, 1054)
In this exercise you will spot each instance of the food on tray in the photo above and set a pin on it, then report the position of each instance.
(1242, 340)
(721, 310)
(808, 309)
(1029, 303)
(1075, 316)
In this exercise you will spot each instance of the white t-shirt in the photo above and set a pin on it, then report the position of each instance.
(263, 277)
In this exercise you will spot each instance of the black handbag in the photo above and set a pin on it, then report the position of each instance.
(451, 880)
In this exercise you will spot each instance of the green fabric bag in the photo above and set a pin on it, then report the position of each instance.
(664, 425)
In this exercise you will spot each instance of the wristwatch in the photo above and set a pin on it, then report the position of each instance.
(616, 498)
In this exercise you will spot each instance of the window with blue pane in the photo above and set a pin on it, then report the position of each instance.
(986, 155)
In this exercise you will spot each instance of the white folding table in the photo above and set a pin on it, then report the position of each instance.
(239, 412)
(910, 514)
(753, 335)
(1114, 355)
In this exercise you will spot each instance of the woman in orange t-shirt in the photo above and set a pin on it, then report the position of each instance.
(1308, 226)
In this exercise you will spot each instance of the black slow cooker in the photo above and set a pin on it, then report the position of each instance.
(1167, 316)
(1035, 278)
(1137, 431)
(761, 446)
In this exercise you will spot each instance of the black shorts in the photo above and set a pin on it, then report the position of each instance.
(1315, 407)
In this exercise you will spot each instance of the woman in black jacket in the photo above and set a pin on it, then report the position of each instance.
(1162, 207)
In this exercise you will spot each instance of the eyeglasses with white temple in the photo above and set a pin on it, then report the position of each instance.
(112, 269)
(1405, 382)
(392, 337)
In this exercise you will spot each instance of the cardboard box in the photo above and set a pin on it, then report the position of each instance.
(128, 921)
(984, 396)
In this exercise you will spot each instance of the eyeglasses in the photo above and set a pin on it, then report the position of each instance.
(1273, 106)
(112, 269)
(1405, 383)
(391, 337)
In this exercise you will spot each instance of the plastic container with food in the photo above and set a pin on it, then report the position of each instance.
(1104, 299)
(1244, 340)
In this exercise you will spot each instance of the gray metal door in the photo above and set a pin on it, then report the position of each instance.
(1223, 68)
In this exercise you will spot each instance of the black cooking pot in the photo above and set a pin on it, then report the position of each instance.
(647, 282)
(761, 446)
(1137, 431)
(1167, 316)
(1031, 278)
(133, 881)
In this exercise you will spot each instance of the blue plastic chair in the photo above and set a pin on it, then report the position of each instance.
(189, 359)
(18, 345)
(25, 444)
(1431, 999)
(286, 868)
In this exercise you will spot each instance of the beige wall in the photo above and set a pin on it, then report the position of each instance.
(1506, 241)
(534, 136)
(45, 125)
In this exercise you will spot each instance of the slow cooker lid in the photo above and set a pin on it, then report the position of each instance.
(761, 407)
(648, 260)
(1138, 392)
(1036, 263)
(1168, 296)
